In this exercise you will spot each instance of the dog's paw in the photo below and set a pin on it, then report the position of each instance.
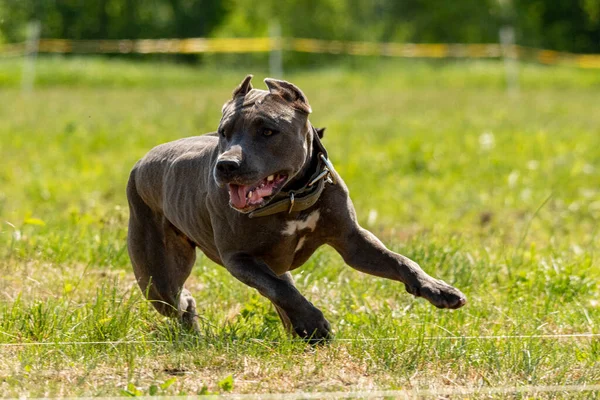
(187, 311)
(313, 327)
(439, 293)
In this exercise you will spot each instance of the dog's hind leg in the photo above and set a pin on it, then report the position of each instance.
(162, 259)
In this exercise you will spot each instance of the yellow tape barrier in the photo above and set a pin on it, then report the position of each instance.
(12, 50)
(262, 45)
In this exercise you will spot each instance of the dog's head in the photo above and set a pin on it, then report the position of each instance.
(264, 141)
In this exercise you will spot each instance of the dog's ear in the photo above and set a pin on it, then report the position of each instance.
(289, 93)
(321, 132)
(243, 88)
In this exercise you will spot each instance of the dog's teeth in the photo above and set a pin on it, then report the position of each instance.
(270, 178)
(249, 195)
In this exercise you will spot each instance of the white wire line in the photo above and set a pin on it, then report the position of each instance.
(76, 343)
(369, 394)
(346, 340)
(483, 337)
(410, 393)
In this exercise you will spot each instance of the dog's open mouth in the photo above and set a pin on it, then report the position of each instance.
(247, 197)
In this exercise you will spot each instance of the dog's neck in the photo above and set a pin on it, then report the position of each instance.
(311, 163)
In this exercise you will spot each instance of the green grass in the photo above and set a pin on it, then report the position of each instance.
(496, 194)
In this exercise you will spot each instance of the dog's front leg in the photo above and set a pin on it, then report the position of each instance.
(364, 252)
(307, 320)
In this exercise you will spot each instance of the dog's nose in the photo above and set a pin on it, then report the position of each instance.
(227, 166)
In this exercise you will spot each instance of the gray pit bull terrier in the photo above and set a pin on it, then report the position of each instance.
(258, 196)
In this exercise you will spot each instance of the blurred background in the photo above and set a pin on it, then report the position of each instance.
(467, 131)
(561, 25)
(555, 24)
(472, 73)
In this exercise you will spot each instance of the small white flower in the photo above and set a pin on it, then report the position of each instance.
(577, 249)
(513, 177)
(588, 169)
(372, 217)
(533, 164)
(526, 194)
(487, 141)
(588, 193)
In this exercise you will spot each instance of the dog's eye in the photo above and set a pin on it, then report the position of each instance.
(222, 132)
(268, 132)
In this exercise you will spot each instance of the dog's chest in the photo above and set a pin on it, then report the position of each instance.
(294, 243)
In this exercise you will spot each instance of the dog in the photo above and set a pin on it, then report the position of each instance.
(258, 197)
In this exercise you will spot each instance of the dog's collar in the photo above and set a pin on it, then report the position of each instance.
(301, 199)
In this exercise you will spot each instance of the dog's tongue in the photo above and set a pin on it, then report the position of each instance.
(237, 194)
(241, 197)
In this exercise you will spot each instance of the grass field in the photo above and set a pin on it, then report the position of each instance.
(497, 194)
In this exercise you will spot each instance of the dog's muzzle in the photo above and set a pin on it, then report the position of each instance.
(226, 169)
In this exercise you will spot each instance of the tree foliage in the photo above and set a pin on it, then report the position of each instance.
(112, 19)
(567, 25)
(572, 25)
